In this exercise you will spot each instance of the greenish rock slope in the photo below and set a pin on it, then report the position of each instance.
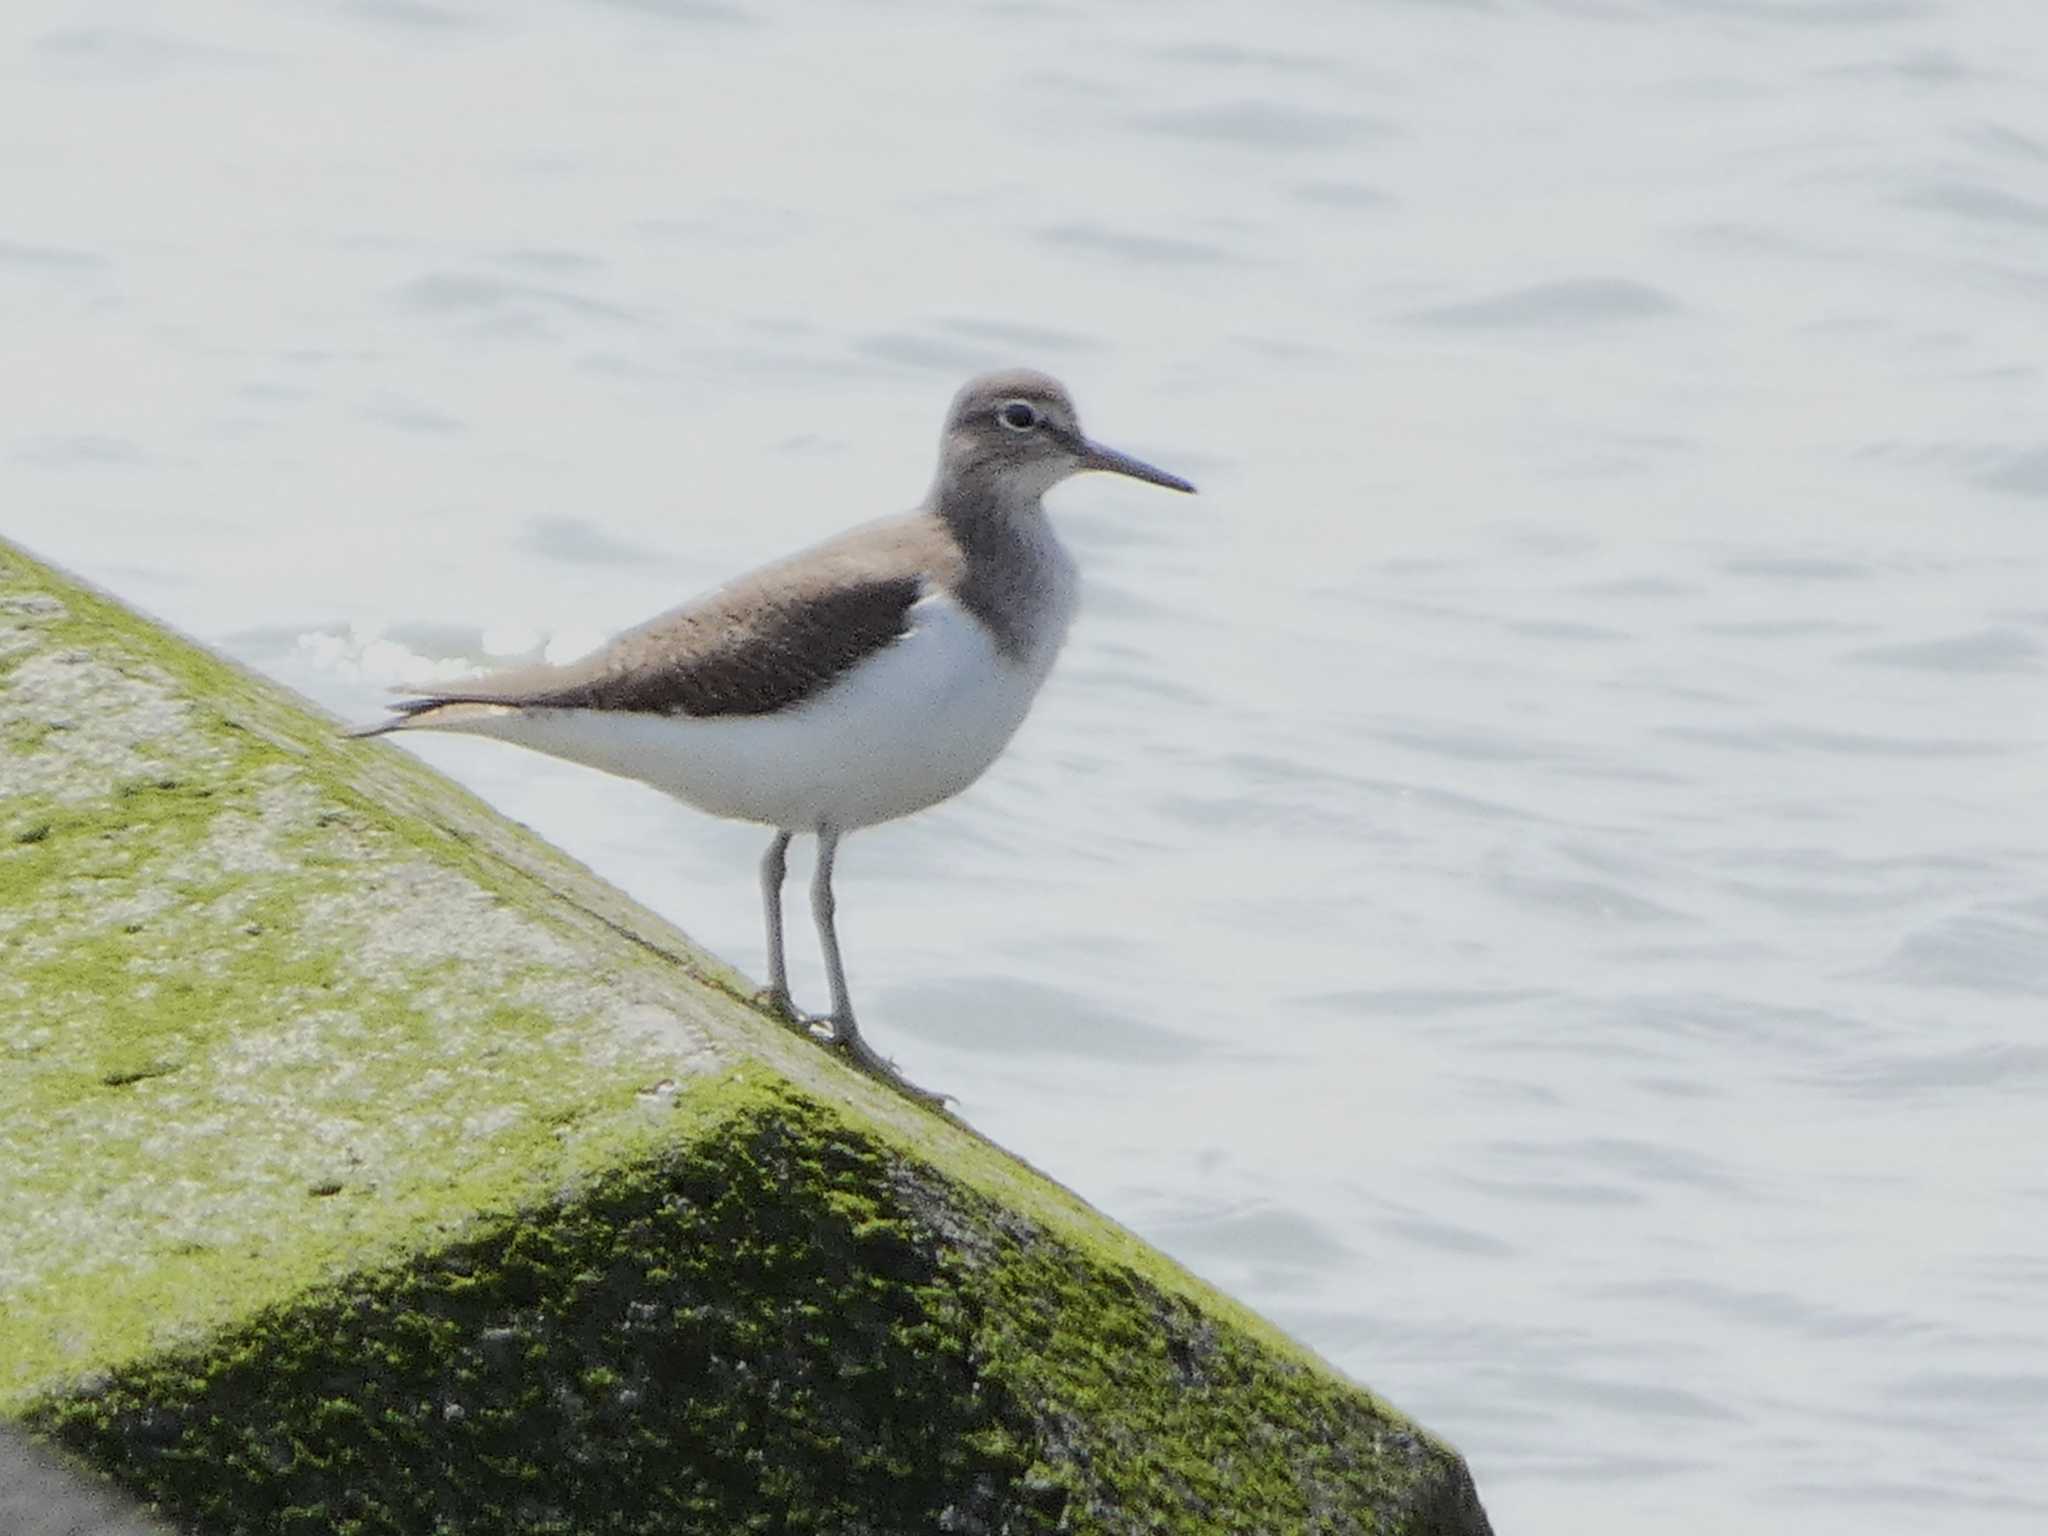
(367, 1165)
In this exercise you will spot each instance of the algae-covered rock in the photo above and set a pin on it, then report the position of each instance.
(367, 1165)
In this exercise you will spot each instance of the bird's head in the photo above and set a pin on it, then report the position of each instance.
(1015, 433)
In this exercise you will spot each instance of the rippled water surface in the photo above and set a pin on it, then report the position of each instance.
(1538, 879)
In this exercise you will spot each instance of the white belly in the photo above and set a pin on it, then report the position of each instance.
(912, 725)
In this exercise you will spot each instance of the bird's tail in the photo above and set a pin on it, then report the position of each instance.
(431, 712)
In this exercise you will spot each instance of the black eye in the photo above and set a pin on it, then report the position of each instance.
(1018, 416)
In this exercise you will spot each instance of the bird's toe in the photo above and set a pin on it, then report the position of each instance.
(776, 1000)
(846, 1037)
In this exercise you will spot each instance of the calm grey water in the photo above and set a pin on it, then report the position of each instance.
(1538, 879)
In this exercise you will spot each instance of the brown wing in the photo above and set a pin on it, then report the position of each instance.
(765, 643)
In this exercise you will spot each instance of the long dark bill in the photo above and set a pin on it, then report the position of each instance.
(1095, 456)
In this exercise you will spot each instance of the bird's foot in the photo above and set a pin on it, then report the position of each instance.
(846, 1036)
(776, 1000)
(842, 1034)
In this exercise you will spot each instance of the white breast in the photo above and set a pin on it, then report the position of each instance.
(912, 725)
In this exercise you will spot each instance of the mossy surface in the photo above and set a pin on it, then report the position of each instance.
(368, 1165)
(255, 1020)
(777, 1324)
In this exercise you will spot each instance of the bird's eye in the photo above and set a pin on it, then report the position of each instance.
(1018, 416)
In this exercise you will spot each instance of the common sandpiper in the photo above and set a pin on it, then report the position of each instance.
(863, 679)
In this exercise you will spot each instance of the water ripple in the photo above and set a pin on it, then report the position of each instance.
(691, 12)
(457, 293)
(2023, 473)
(1995, 648)
(1138, 249)
(1648, 1162)
(1280, 1235)
(1939, 1075)
(1778, 1311)
(48, 258)
(1629, 1398)
(1264, 125)
(1005, 1016)
(1986, 205)
(1569, 303)
(582, 541)
(1999, 953)
(414, 14)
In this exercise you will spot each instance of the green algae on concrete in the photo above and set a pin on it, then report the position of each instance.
(367, 1165)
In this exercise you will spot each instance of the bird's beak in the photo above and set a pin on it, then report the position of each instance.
(1095, 456)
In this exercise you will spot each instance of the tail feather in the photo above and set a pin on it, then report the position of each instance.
(405, 714)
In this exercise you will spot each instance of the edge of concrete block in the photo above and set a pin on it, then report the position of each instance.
(370, 1162)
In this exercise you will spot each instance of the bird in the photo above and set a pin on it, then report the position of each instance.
(863, 679)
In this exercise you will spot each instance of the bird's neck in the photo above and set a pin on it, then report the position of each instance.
(1016, 578)
(986, 507)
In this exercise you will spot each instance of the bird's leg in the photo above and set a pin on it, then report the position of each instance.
(774, 864)
(846, 1033)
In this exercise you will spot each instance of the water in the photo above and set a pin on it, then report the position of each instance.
(1538, 879)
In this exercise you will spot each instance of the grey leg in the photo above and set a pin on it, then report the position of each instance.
(823, 911)
(774, 865)
(845, 1032)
